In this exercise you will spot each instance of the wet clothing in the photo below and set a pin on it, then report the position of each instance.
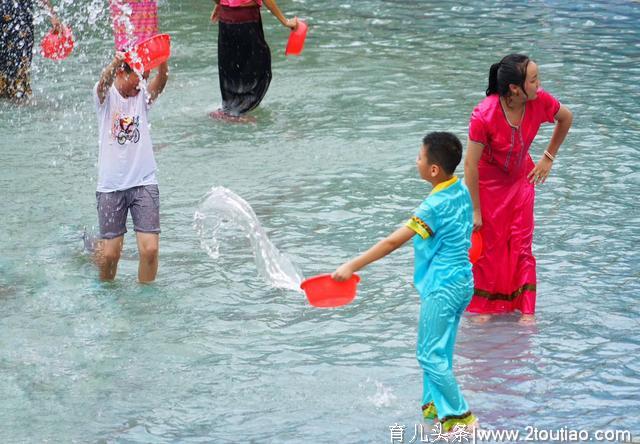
(440, 314)
(443, 278)
(125, 158)
(126, 164)
(440, 260)
(144, 204)
(505, 274)
(244, 59)
(133, 21)
(16, 48)
(239, 3)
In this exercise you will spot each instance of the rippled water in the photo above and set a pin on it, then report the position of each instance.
(210, 352)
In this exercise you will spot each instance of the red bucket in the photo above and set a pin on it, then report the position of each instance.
(57, 46)
(325, 292)
(476, 247)
(296, 39)
(149, 53)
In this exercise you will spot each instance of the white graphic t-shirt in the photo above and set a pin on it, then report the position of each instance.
(125, 159)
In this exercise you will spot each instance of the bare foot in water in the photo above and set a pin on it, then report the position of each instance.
(221, 115)
(480, 319)
(527, 320)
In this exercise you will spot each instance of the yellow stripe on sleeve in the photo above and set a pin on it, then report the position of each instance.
(417, 225)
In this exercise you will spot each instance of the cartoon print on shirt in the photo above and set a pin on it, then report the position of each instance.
(125, 128)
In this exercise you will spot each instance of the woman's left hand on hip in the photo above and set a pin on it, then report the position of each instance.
(540, 172)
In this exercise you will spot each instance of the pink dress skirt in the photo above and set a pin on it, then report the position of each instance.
(133, 21)
(505, 274)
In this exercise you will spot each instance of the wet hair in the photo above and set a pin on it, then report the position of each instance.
(443, 149)
(512, 69)
(126, 68)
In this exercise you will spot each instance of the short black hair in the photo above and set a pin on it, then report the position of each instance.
(443, 149)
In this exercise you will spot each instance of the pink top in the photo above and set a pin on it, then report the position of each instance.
(506, 146)
(133, 21)
(237, 3)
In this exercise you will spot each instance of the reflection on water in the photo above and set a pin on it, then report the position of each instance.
(499, 364)
(211, 352)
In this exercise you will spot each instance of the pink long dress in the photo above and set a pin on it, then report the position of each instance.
(133, 21)
(505, 274)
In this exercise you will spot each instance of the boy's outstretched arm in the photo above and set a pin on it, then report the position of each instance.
(378, 251)
(156, 86)
(108, 75)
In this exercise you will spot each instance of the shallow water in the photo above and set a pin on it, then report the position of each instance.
(211, 352)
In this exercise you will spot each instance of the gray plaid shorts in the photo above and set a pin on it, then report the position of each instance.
(113, 207)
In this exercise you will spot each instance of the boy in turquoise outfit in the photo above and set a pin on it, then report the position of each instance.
(441, 230)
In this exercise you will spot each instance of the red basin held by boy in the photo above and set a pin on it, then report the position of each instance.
(149, 53)
(325, 292)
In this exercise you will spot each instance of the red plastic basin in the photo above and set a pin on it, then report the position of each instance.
(325, 292)
(296, 39)
(57, 46)
(149, 53)
(476, 247)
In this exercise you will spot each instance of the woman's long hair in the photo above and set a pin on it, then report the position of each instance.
(512, 69)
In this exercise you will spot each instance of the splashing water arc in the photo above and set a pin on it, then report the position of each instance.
(222, 213)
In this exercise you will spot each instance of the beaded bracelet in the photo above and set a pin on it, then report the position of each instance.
(550, 156)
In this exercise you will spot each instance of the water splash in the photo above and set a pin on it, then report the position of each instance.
(222, 213)
(121, 13)
(90, 239)
(383, 397)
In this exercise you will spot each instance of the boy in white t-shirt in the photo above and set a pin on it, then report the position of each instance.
(126, 166)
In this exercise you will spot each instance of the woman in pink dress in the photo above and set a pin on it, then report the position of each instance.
(501, 177)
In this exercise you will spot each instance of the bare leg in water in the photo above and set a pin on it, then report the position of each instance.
(106, 255)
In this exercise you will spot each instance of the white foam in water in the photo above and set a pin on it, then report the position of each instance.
(123, 17)
(90, 238)
(383, 397)
(222, 213)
